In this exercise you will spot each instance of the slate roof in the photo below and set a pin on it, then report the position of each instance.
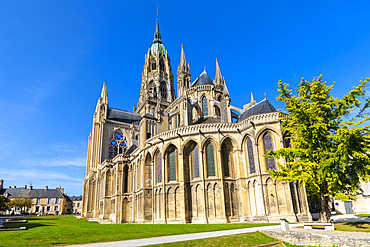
(261, 107)
(203, 79)
(123, 116)
(76, 198)
(131, 149)
(34, 193)
(207, 120)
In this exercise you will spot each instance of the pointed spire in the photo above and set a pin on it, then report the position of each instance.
(104, 94)
(157, 34)
(252, 98)
(218, 77)
(182, 59)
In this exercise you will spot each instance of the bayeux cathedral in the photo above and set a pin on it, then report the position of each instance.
(188, 158)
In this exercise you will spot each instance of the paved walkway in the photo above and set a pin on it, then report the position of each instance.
(185, 237)
(349, 218)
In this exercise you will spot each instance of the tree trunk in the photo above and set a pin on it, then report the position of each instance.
(324, 200)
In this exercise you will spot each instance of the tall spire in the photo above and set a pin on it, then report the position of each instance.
(252, 99)
(218, 77)
(157, 34)
(104, 94)
(182, 59)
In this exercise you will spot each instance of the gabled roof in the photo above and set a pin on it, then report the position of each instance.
(261, 107)
(203, 79)
(34, 193)
(123, 116)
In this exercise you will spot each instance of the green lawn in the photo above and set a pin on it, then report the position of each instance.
(348, 227)
(248, 239)
(65, 230)
(362, 215)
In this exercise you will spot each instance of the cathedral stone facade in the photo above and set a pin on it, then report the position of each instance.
(190, 158)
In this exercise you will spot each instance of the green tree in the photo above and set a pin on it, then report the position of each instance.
(20, 202)
(329, 151)
(4, 203)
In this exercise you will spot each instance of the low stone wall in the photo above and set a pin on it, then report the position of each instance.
(322, 238)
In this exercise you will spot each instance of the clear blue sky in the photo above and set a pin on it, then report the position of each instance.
(55, 55)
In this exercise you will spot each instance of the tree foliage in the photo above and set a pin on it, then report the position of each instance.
(329, 151)
(20, 202)
(4, 203)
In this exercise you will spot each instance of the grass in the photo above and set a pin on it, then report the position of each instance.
(248, 239)
(347, 227)
(66, 230)
(362, 215)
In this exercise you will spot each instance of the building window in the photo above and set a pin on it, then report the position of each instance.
(48, 208)
(163, 90)
(49, 201)
(38, 201)
(217, 111)
(37, 209)
(78, 204)
(225, 152)
(267, 140)
(154, 66)
(56, 208)
(159, 165)
(196, 161)
(252, 168)
(57, 200)
(205, 106)
(210, 160)
(161, 65)
(117, 145)
(171, 156)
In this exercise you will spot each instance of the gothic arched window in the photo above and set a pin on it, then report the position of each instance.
(196, 161)
(171, 161)
(161, 65)
(267, 141)
(225, 152)
(117, 145)
(163, 90)
(252, 168)
(210, 160)
(159, 167)
(205, 106)
(217, 111)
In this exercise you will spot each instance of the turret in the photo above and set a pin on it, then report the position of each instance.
(183, 75)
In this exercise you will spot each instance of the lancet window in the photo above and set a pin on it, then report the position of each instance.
(267, 141)
(210, 160)
(163, 90)
(171, 156)
(159, 167)
(252, 168)
(196, 161)
(117, 145)
(205, 106)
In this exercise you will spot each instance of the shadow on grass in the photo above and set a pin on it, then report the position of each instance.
(28, 225)
(358, 225)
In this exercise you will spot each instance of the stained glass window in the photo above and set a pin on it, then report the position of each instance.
(267, 140)
(163, 90)
(117, 144)
(196, 161)
(252, 168)
(205, 106)
(172, 164)
(225, 159)
(159, 163)
(210, 160)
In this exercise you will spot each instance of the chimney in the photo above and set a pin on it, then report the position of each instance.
(1, 184)
(46, 187)
(31, 187)
(10, 186)
(25, 186)
(15, 186)
(61, 189)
